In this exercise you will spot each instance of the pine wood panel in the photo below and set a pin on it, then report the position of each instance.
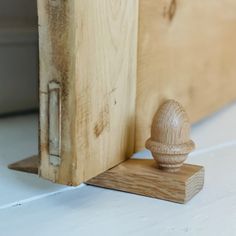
(185, 52)
(89, 48)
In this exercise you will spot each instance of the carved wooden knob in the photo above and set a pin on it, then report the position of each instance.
(170, 141)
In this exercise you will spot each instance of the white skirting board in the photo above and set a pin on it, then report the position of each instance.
(18, 69)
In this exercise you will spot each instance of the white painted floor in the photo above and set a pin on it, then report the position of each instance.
(33, 206)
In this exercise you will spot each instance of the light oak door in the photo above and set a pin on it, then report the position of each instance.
(106, 65)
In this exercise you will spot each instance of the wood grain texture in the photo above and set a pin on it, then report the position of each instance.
(144, 178)
(170, 141)
(88, 47)
(185, 52)
(29, 165)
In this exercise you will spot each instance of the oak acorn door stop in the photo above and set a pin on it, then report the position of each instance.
(165, 177)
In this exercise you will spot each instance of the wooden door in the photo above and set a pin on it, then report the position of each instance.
(87, 86)
(185, 51)
(106, 65)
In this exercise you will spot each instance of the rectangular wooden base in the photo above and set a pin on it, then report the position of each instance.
(144, 178)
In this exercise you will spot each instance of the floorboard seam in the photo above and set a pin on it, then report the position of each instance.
(38, 197)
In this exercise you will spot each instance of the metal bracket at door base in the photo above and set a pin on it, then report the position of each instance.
(54, 123)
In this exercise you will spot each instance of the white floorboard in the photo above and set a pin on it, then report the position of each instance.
(18, 140)
(32, 206)
(95, 211)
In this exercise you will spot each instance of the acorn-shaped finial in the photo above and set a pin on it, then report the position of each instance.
(170, 141)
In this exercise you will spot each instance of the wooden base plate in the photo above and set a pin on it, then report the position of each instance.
(29, 165)
(144, 178)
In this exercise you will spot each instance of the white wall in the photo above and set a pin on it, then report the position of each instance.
(18, 56)
(18, 11)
